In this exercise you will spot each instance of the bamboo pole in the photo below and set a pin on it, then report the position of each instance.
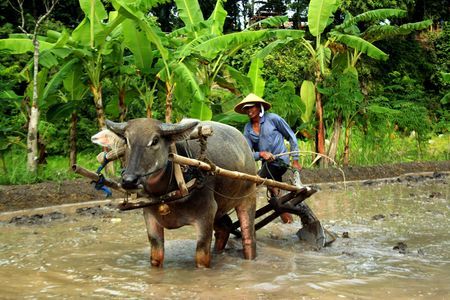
(94, 176)
(233, 174)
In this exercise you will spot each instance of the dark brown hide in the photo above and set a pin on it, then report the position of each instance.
(148, 144)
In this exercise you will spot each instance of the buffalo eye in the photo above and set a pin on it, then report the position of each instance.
(154, 141)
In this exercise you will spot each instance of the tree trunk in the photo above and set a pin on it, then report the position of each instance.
(73, 139)
(122, 106)
(98, 101)
(42, 149)
(320, 129)
(32, 136)
(335, 139)
(148, 111)
(169, 104)
(2, 158)
(347, 145)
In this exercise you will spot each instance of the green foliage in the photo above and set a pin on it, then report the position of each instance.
(285, 101)
(56, 169)
(288, 63)
(319, 14)
(442, 66)
(308, 98)
(208, 69)
(408, 102)
(343, 94)
(360, 6)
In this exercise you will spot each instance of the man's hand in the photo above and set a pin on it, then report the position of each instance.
(297, 165)
(267, 156)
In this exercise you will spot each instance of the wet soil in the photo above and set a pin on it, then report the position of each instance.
(17, 197)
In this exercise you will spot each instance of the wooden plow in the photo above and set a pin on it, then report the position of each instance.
(292, 202)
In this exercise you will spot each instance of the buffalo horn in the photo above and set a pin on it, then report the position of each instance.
(178, 131)
(117, 128)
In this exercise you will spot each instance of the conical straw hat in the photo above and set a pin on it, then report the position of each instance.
(251, 99)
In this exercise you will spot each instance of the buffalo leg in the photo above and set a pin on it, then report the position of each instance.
(155, 235)
(204, 226)
(222, 228)
(246, 216)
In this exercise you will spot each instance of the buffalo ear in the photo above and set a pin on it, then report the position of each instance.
(117, 128)
(177, 132)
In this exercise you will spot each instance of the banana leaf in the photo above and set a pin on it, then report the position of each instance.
(379, 32)
(319, 13)
(188, 90)
(255, 75)
(60, 111)
(360, 45)
(238, 79)
(135, 41)
(189, 11)
(323, 57)
(21, 46)
(275, 22)
(74, 87)
(57, 79)
(9, 95)
(231, 42)
(91, 29)
(188, 30)
(218, 17)
(201, 111)
(155, 35)
(47, 59)
(308, 97)
(373, 15)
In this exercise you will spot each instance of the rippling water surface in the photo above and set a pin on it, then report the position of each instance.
(108, 257)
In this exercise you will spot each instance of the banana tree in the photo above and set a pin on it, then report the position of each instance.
(212, 49)
(357, 42)
(90, 38)
(320, 12)
(320, 16)
(192, 59)
(71, 100)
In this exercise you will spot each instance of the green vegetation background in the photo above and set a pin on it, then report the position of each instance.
(410, 81)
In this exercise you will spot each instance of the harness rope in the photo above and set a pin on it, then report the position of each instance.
(100, 183)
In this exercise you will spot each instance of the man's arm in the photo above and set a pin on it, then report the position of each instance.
(289, 135)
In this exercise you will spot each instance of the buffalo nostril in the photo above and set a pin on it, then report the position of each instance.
(129, 181)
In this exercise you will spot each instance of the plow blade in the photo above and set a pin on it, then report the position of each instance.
(312, 230)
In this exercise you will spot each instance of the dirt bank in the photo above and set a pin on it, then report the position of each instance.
(81, 190)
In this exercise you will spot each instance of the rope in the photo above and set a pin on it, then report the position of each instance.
(99, 185)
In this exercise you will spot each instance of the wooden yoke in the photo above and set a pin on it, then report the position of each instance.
(179, 174)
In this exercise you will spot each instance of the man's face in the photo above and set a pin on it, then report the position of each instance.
(253, 111)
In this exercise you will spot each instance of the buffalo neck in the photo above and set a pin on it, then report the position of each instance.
(162, 182)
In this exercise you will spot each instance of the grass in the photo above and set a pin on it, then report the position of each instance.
(389, 149)
(56, 169)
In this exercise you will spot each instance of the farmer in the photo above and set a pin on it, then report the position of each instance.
(265, 133)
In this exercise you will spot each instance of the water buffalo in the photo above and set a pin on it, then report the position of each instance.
(148, 144)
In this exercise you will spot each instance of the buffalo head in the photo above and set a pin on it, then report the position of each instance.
(147, 146)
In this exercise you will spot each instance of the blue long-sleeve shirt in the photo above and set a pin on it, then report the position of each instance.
(273, 131)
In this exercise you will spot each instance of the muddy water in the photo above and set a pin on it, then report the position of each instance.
(107, 257)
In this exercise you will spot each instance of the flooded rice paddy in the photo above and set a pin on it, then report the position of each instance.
(393, 242)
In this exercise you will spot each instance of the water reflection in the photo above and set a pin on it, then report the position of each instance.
(105, 257)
